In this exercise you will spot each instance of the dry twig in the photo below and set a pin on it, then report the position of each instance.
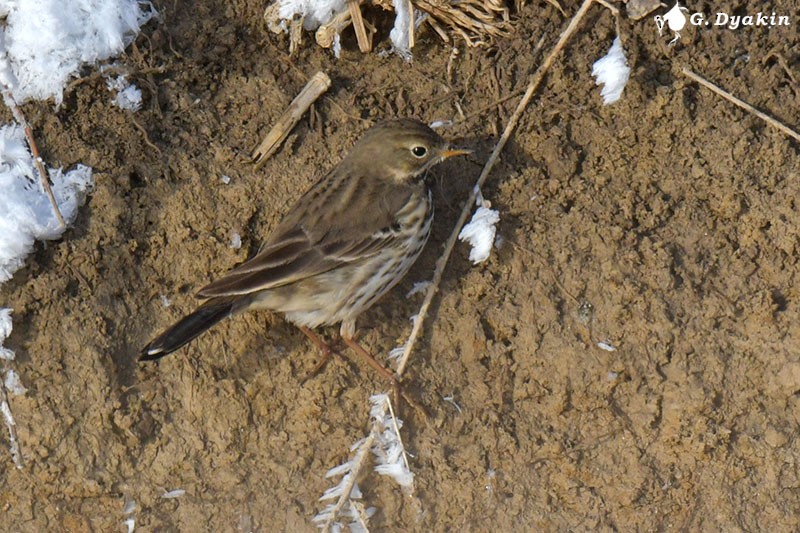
(145, 136)
(536, 79)
(553, 3)
(326, 34)
(364, 42)
(383, 447)
(317, 85)
(347, 487)
(608, 6)
(8, 98)
(744, 105)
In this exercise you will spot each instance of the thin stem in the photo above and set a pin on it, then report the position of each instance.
(11, 103)
(741, 103)
(536, 80)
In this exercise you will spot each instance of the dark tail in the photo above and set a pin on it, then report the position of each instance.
(186, 329)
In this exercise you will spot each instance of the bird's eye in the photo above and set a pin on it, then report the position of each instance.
(419, 151)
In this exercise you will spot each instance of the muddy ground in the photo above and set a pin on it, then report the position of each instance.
(664, 225)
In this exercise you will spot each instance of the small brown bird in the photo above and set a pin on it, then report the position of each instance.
(348, 240)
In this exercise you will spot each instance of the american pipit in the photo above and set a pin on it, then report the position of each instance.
(348, 240)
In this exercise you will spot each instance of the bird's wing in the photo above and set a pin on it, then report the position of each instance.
(341, 219)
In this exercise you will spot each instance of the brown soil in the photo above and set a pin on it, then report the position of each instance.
(665, 225)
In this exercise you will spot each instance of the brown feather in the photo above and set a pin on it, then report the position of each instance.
(304, 245)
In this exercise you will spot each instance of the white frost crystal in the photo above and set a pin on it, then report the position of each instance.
(613, 72)
(315, 13)
(480, 233)
(45, 42)
(5, 331)
(25, 211)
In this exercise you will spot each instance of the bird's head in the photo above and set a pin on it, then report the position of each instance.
(401, 150)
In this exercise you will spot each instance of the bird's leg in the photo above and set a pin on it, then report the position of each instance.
(390, 376)
(324, 348)
(353, 344)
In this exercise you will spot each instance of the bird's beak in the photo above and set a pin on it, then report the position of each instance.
(455, 151)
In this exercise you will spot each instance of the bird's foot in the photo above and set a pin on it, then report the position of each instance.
(391, 377)
(325, 352)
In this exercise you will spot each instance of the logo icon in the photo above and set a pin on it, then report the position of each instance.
(674, 19)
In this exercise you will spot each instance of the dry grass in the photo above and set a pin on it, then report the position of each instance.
(474, 22)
